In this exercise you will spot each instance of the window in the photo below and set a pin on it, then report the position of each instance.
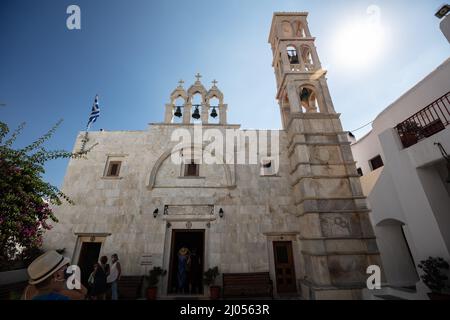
(376, 163)
(360, 172)
(113, 169)
(191, 169)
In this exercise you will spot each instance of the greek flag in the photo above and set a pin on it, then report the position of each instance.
(95, 113)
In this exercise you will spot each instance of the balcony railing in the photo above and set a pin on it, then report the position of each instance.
(425, 123)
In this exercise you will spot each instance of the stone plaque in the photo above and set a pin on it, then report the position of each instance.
(199, 210)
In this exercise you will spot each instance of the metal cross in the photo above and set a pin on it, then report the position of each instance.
(214, 82)
(198, 76)
(180, 83)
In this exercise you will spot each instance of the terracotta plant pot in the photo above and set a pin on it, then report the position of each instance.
(438, 296)
(409, 139)
(214, 292)
(151, 293)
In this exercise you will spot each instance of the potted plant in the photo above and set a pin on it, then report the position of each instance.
(434, 278)
(209, 277)
(409, 133)
(152, 282)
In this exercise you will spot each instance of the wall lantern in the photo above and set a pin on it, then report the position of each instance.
(155, 213)
(221, 213)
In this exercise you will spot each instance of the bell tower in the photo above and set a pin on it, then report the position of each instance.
(337, 239)
(196, 105)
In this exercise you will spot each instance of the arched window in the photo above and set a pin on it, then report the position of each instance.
(196, 112)
(308, 99)
(292, 54)
(178, 110)
(307, 58)
(214, 112)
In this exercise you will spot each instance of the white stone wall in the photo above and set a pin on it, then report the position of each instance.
(122, 208)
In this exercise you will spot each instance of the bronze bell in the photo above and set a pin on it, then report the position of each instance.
(214, 112)
(178, 112)
(305, 94)
(196, 114)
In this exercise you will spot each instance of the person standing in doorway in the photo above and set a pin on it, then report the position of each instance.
(195, 273)
(100, 275)
(114, 276)
(183, 260)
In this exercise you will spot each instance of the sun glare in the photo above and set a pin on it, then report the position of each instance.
(359, 44)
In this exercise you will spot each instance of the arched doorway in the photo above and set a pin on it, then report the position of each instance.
(398, 262)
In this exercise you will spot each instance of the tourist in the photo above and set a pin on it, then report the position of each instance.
(48, 279)
(195, 272)
(114, 276)
(183, 260)
(100, 274)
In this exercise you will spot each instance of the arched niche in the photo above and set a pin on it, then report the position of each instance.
(286, 29)
(166, 156)
(299, 29)
(398, 262)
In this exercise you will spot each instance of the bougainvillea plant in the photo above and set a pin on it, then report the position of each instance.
(25, 198)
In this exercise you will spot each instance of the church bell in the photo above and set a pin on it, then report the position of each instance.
(196, 114)
(178, 112)
(214, 112)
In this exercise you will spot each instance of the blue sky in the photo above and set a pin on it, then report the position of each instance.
(132, 53)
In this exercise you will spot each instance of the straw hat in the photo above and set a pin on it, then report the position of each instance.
(45, 265)
(183, 251)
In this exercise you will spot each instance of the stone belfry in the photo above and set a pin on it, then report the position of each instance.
(337, 239)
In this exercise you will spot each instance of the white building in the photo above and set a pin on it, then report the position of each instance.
(407, 180)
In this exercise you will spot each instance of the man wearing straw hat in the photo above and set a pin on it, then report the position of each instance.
(48, 279)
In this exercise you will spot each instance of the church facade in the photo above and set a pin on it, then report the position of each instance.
(294, 207)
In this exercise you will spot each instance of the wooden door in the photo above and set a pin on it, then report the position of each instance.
(284, 267)
(89, 256)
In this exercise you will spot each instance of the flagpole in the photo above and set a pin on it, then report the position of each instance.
(86, 139)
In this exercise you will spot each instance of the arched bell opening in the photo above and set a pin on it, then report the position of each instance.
(308, 100)
(292, 54)
(307, 58)
(178, 110)
(197, 105)
(214, 111)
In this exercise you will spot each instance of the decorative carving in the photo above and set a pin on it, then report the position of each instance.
(335, 226)
(188, 225)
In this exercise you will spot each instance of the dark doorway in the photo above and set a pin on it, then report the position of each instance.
(89, 255)
(284, 267)
(186, 271)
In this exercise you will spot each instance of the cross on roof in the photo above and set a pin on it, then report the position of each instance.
(180, 83)
(198, 76)
(214, 82)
